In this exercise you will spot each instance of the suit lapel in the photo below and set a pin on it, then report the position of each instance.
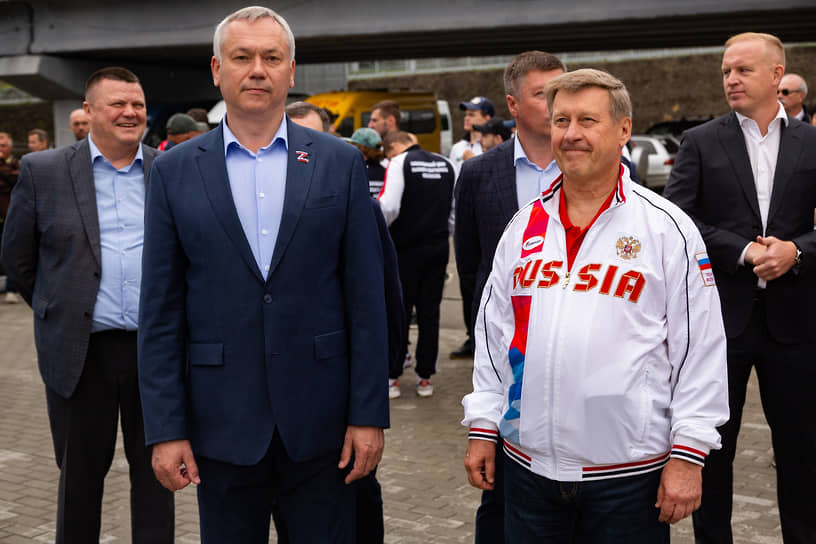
(790, 148)
(82, 180)
(148, 154)
(212, 166)
(299, 170)
(734, 144)
(506, 178)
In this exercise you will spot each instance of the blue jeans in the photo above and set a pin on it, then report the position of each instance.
(617, 510)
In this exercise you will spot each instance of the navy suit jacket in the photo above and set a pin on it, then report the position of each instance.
(712, 181)
(226, 358)
(486, 200)
(52, 252)
(394, 307)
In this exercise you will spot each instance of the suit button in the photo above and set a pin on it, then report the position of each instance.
(268, 298)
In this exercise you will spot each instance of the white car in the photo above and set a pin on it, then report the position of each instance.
(653, 157)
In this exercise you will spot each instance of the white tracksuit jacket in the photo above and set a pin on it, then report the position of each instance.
(611, 368)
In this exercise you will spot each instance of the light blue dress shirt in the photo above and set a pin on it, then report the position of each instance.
(258, 185)
(120, 198)
(531, 180)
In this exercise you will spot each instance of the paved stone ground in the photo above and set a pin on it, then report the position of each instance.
(426, 494)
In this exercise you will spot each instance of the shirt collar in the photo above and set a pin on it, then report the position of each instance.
(780, 114)
(520, 155)
(229, 138)
(95, 153)
(564, 216)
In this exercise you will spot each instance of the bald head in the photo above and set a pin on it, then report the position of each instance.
(78, 121)
(792, 92)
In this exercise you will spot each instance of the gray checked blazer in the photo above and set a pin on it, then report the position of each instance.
(51, 251)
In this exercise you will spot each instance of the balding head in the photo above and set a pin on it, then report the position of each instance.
(792, 92)
(78, 121)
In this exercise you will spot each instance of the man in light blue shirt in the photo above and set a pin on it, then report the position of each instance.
(531, 179)
(120, 207)
(490, 190)
(73, 244)
(258, 184)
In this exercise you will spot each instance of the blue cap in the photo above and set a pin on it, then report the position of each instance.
(479, 103)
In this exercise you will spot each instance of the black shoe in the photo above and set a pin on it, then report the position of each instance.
(465, 351)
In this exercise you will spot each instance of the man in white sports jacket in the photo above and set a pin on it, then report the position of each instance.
(600, 349)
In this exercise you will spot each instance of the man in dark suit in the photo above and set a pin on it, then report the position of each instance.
(489, 191)
(72, 245)
(262, 342)
(749, 181)
(792, 92)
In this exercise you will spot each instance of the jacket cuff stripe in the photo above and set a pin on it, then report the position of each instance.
(689, 454)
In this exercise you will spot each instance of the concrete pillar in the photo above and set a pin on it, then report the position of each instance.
(319, 78)
(62, 109)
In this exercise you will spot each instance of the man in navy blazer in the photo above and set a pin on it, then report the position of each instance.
(487, 195)
(749, 181)
(262, 342)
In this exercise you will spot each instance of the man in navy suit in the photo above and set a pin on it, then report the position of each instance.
(262, 343)
(749, 181)
(489, 191)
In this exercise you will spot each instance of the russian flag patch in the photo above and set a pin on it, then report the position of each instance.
(704, 264)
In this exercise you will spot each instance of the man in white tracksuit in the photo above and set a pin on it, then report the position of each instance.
(600, 350)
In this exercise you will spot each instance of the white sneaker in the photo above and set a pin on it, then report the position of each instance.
(424, 387)
(393, 389)
(12, 298)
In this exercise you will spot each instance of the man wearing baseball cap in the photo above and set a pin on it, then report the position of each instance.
(477, 111)
(493, 132)
(180, 128)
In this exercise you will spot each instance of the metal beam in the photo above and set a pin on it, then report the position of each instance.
(180, 32)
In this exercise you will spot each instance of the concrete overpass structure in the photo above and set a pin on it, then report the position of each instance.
(49, 47)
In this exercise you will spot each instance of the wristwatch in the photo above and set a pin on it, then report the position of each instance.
(798, 259)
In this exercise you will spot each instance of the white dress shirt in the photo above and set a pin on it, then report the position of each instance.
(762, 152)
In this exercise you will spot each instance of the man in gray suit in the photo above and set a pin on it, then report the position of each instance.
(73, 245)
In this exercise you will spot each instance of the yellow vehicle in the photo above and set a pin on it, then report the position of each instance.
(421, 113)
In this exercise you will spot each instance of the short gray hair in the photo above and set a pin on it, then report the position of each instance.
(620, 105)
(252, 13)
(802, 84)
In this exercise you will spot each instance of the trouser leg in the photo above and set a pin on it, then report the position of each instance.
(429, 299)
(83, 428)
(466, 287)
(490, 514)
(786, 375)
(409, 277)
(712, 521)
(152, 515)
(370, 529)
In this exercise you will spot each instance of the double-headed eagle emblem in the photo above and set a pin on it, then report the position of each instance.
(628, 247)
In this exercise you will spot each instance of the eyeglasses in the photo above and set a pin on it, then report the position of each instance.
(786, 92)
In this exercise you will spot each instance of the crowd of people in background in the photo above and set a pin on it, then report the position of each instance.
(613, 330)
